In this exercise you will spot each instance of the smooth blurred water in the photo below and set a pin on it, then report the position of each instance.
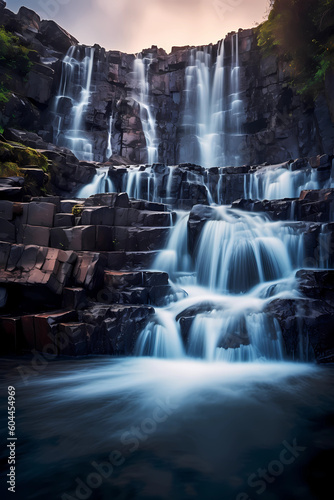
(183, 429)
(279, 182)
(213, 107)
(240, 262)
(72, 101)
(101, 183)
(143, 97)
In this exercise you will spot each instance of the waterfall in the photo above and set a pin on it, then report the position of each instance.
(160, 338)
(110, 130)
(72, 101)
(175, 259)
(245, 249)
(279, 182)
(101, 183)
(141, 183)
(213, 109)
(241, 262)
(209, 332)
(147, 114)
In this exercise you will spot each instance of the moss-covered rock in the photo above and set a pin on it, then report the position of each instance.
(22, 156)
(9, 169)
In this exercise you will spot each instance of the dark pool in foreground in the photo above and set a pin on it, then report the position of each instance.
(143, 428)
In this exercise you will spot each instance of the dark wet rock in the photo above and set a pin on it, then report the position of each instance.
(7, 231)
(198, 216)
(307, 327)
(52, 35)
(317, 284)
(41, 214)
(312, 205)
(64, 220)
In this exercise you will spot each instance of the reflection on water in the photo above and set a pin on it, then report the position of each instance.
(172, 429)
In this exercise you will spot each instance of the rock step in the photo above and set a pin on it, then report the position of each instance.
(311, 206)
(144, 287)
(87, 238)
(134, 261)
(121, 280)
(106, 216)
(100, 329)
(46, 213)
(45, 272)
(107, 238)
(157, 296)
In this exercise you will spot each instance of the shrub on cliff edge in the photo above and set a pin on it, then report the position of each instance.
(301, 32)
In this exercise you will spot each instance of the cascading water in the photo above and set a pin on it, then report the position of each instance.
(72, 101)
(213, 109)
(279, 182)
(143, 97)
(101, 183)
(241, 262)
(245, 249)
(175, 259)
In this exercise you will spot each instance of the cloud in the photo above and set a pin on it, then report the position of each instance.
(131, 25)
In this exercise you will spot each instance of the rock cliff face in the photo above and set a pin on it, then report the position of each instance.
(276, 123)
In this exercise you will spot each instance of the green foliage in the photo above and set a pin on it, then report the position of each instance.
(4, 94)
(13, 55)
(301, 33)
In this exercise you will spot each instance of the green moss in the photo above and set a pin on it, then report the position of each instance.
(13, 55)
(23, 156)
(29, 156)
(9, 169)
(4, 94)
(77, 210)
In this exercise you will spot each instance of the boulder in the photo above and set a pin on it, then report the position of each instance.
(28, 19)
(307, 327)
(52, 35)
(73, 339)
(39, 86)
(198, 216)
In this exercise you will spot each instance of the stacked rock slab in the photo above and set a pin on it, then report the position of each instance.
(65, 281)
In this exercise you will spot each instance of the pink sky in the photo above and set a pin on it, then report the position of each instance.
(131, 25)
